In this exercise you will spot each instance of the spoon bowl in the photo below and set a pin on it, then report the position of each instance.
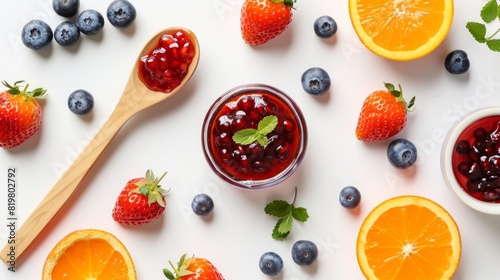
(136, 97)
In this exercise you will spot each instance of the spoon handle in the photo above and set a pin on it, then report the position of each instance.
(67, 184)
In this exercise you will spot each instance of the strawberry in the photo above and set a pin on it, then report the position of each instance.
(262, 20)
(141, 201)
(383, 114)
(193, 269)
(20, 114)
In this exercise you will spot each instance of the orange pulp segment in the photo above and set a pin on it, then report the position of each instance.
(401, 29)
(406, 238)
(89, 254)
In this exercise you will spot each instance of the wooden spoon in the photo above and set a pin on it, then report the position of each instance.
(136, 97)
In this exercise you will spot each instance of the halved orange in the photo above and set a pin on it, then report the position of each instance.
(407, 238)
(401, 29)
(89, 254)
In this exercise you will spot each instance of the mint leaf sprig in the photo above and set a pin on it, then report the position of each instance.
(249, 135)
(489, 12)
(286, 212)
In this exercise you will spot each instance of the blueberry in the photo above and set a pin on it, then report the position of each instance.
(66, 8)
(402, 153)
(80, 102)
(36, 34)
(457, 62)
(316, 81)
(350, 197)
(304, 252)
(271, 263)
(202, 204)
(66, 33)
(325, 27)
(121, 13)
(90, 22)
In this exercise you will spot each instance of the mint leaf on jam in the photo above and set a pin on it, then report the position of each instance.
(286, 212)
(489, 12)
(245, 136)
(249, 135)
(267, 124)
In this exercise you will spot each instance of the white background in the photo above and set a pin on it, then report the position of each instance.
(167, 137)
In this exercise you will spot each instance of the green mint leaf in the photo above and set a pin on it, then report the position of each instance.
(494, 45)
(249, 135)
(300, 214)
(477, 30)
(286, 212)
(245, 136)
(285, 224)
(489, 11)
(278, 235)
(278, 208)
(262, 139)
(267, 124)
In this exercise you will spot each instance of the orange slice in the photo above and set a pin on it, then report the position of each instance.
(401, 29)
(406, 238)
(89, 254)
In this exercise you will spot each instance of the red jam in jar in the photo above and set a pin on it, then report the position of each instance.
(164, 68)
(476, 159)
(254, 162)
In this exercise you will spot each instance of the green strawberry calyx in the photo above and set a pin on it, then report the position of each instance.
(151, 188)
(179, 271)
(38, 93)
(398, 93)
(286, 2)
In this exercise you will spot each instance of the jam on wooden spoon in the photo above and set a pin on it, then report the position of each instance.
(136, 96)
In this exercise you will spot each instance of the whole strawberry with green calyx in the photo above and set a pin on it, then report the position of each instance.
(383, 114)
(20, 113)
(263, 20)
(193, 269)
(141, 200)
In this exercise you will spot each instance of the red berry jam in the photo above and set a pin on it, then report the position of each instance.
(250, 164)
(164, 68)
(476, 159)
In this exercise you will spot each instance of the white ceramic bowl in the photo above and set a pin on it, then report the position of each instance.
(447, 166)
